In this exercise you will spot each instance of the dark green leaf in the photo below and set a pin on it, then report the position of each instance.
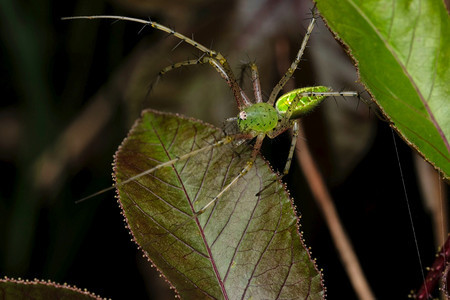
(403, 53)
(245, 246)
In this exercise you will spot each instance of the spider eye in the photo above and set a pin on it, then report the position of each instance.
(243, 115)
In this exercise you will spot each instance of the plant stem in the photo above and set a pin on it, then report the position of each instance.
(436, 272)
(338, 234)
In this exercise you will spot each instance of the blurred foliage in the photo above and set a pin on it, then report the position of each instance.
(73, 89)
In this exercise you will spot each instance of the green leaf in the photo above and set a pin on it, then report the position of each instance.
(402, 49)
(243, 246)
(24, 289)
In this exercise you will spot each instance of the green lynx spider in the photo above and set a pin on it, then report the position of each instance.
(255, 120)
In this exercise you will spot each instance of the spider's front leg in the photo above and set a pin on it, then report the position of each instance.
(255, 80)
(245, 170)
(241, 98)
(294, 65)
(214, 58)
(256, 83)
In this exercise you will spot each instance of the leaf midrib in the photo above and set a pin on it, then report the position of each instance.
(197, 221)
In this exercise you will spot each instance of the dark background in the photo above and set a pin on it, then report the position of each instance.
(55, 74)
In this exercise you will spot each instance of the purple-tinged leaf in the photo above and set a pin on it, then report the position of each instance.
(244, 246)
(36, 289)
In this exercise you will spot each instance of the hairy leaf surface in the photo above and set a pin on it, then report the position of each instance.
(244, 246)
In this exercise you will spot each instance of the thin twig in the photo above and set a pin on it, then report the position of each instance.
(338, 234)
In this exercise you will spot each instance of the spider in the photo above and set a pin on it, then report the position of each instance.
(256, 119)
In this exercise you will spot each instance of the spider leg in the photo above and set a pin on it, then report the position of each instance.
(293, 67)
(224, 141)
(248, 166)
(370, 105)
(295, 130)
(256, 83)
(216, 59)
(174, 66)
(255, 80)
(292, 107)
(241, 98)
(181, 64)
(189, 62)
(243, 73)
(158, 26)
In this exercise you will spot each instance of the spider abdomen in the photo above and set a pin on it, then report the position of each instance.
(305, 104)
(257, 118)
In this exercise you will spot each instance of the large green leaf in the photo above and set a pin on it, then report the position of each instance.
(24, 289)
(244, 246)
(403, 53)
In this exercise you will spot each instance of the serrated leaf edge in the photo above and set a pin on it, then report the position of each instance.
(145, 254)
